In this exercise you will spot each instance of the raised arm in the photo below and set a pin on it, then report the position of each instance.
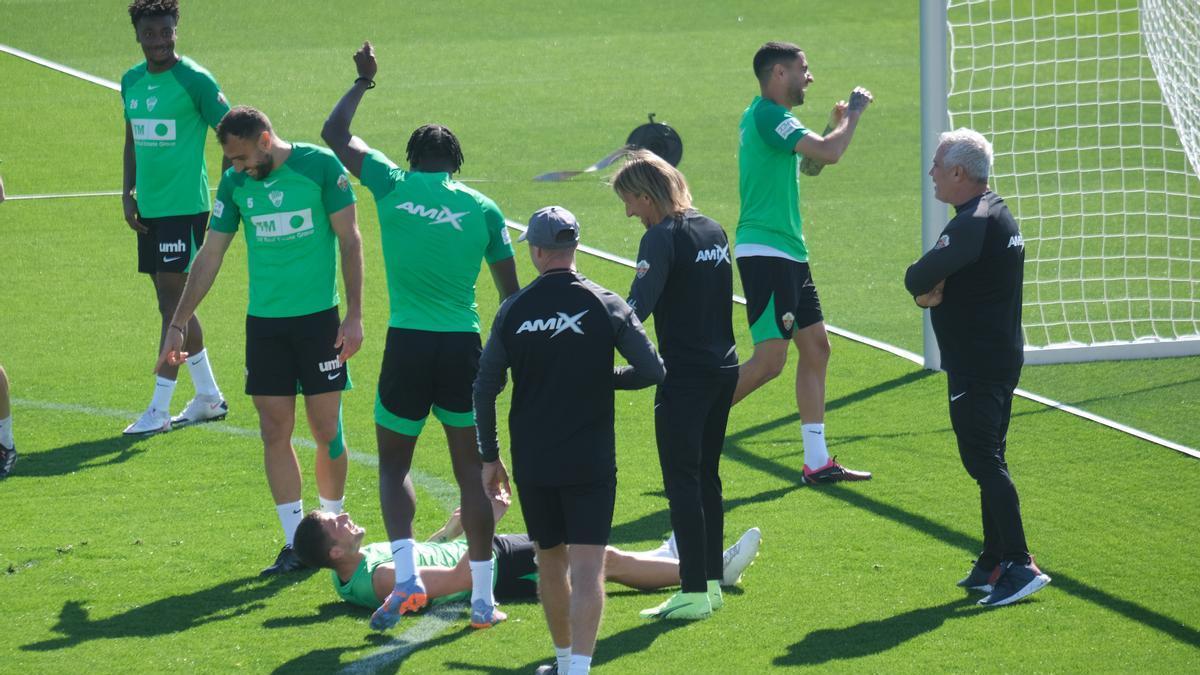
(336, 133)
(350, 333)
(829, 147)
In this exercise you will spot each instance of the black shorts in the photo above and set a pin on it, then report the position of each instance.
(780, 296)
(426, 369)
(569, 514)
(294, 355)
(516, 567)
(171, 244)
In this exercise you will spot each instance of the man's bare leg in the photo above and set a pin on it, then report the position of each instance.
(763, 366)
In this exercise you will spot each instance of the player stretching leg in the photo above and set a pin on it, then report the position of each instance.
(436, 232)
(781, 299)
(170, 103)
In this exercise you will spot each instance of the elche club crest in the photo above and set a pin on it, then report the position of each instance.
(276, 198)
(789, 320)
(942, 242)
(643, 267)
(151, 102)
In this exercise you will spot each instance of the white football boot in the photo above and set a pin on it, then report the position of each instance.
(739, 556)
(201, 409)
(151, 422)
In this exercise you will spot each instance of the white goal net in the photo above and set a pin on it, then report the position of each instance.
(1093, 108)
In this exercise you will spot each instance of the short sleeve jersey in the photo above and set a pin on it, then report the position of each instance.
(435, 233)
(170, 114)
(767, 179)
(359, 590)
(292, 249)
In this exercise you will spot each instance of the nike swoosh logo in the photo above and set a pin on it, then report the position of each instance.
(332, 376)
(270, 182)
(172, 259)
(955, 397)
(296, 511)
(152, 87)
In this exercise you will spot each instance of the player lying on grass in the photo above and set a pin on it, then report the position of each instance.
(364, 575)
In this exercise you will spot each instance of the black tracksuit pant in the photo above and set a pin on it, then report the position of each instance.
(690, 416)
(979, 413)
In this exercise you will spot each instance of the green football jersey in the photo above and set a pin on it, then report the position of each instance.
(359, 590)
(768, 179)
(170, 114)
(291, 246)
(435, 233)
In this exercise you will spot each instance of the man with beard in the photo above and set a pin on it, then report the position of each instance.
(296, 203)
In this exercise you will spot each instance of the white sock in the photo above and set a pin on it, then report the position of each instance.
(580, 664)
(202, 375)
(333, 506)
(563, 656)
(6, 437)
(164, 389)
(481, 581)
(404, 555)
(815, 454)
(290, 515)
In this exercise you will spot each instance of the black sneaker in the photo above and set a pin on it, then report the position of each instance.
(1015, 582)
(8, 458)
(286, 561)
(981, 578)
(551, 669)
(833, 472)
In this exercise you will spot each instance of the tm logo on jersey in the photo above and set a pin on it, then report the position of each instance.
(153, 130)
(557, 324)
(437, 216)
(283, 226)
(717, 254)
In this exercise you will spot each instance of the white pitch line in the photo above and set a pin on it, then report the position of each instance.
(443, 492)
(849, 335)
(67, 70)
(431, 623)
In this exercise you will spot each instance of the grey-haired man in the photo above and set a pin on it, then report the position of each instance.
(558, 335)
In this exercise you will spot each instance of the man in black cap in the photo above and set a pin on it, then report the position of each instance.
(558, 335)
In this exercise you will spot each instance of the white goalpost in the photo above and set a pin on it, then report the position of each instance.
(1093, 108)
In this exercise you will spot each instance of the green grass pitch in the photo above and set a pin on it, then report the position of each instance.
(121, 555)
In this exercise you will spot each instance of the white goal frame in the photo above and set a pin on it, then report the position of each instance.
(935, 119)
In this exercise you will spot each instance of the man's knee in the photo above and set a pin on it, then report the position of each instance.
(770, 358)
(813, 344)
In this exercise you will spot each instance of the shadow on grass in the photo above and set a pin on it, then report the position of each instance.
(854, 497)
(165, 616)
(326, 612)
(657, 524)
(629, 641)
(78, 456)
(873, 637)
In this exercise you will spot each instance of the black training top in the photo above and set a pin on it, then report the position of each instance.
(558, 335)
(685, 279)
(981, 255)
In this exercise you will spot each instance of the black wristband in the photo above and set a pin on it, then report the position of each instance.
(179, 329)
(369, 81)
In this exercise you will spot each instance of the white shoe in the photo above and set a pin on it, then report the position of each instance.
(201, 409)
(151, 422)
(667, 549)
(739, 556)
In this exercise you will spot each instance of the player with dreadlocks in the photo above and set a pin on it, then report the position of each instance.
(170, 103)
(435, 232)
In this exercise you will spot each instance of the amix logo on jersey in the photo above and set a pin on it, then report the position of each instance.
(153, 130)
(557, 324)
(1016, 241)
(436, 216)
(177, 246)
(717, 254)
(283, 226)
